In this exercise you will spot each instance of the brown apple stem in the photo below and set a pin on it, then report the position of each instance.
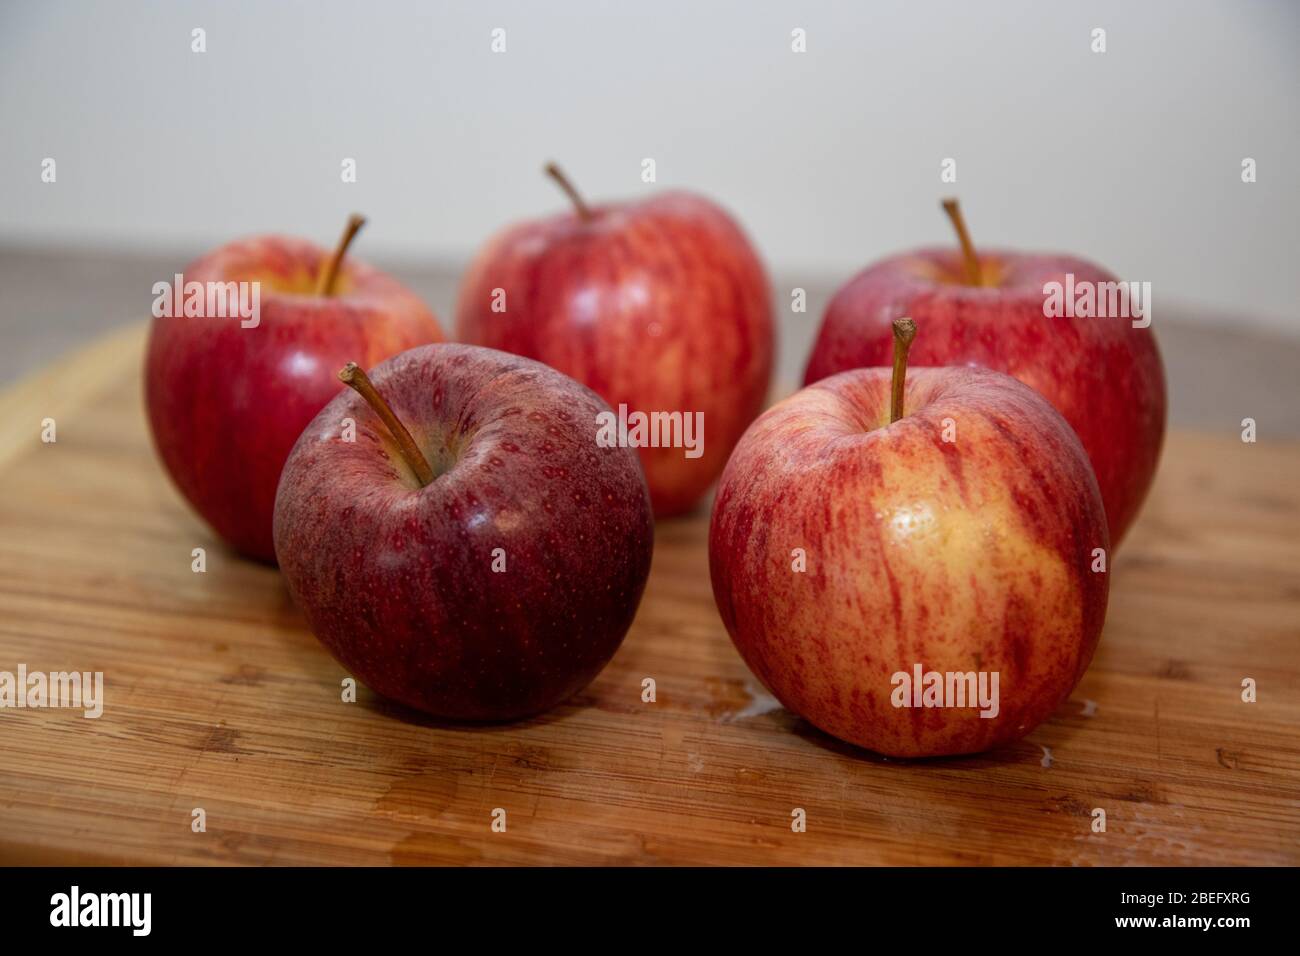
(970, 261)
(554, 171)
(904, 332)
(353, 376)
(325, 281)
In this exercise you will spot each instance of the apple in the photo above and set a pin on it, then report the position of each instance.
(660, 305)
(474, 552)
(871, 531)
(1103, 374)
(228, 396)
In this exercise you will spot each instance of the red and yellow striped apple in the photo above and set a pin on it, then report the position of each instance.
(846, 548)
(661, 305)
(227, 399)
(1101, 373)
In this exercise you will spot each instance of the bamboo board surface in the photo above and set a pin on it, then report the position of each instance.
(217, 697)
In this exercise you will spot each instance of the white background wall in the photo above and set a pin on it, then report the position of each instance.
(830, 158)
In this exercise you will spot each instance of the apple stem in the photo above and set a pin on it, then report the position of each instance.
(970, 260)
(904, 332)
(353, 376)
(325, 281)
(584, 211)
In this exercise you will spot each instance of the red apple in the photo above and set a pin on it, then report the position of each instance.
(970, 556)
(227, 397)
(659, 305)
(474, 553)
(1103, 374)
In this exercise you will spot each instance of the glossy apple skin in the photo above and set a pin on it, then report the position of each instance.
(662, 305)
(226, 403)
(963, 556)
(397, 581)
(1103, 375)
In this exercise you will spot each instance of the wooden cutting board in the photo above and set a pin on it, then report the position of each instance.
(217, 697)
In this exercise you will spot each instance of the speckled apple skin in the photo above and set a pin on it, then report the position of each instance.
(1103, 375)
(964, 556)
(226, 403)
(662, 305)
(397, 580)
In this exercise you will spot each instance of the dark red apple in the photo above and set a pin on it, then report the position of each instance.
(660, 305)
(474, 553)
(227, 397)
(850, 545)
(1103, 374)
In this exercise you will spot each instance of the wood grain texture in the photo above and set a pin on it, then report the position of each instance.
(217, 697)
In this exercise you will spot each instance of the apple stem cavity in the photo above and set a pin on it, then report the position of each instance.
(354, 377)
(583, 210)
(904, 332)
(970, 261)
(325, 281)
